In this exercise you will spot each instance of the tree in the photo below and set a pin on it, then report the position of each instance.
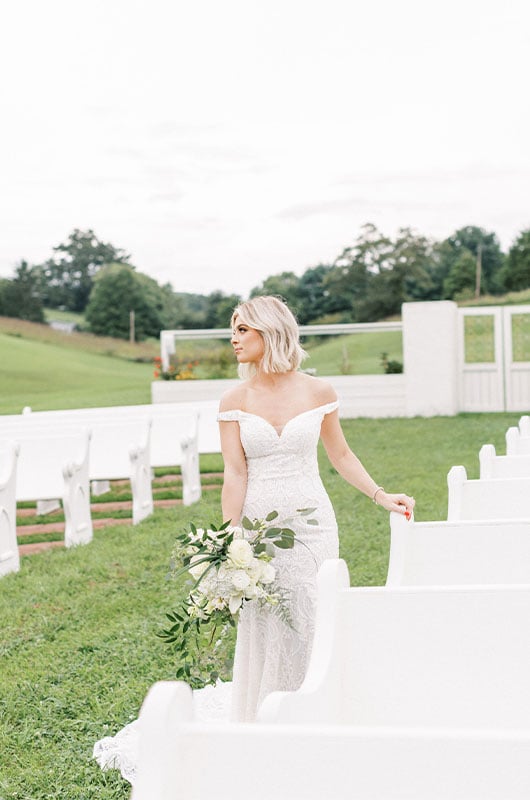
(118, 290)
(516, 274)
(20, 296)
(462, 275)
(68, 276)
(284, 285)
(378, 274)
(471, 238)
(219, 309)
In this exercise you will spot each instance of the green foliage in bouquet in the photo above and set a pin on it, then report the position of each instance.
(229, 566)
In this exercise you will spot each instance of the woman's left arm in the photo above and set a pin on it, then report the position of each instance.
(350, 468)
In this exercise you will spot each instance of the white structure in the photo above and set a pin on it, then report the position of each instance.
(119, 448)
(52, 465)
(359, 395)
(458, 553)
(455, 359)
(494, 466)
(516, 443)
(430, 348)
(9, 557)
(412, 693)
(124, 447)
(495, 498)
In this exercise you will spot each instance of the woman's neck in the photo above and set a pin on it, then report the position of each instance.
(272, 380)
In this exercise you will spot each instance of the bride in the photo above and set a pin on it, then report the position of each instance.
(270, 425)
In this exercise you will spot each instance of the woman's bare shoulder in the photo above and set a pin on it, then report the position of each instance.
(321, 391)
(233, 398)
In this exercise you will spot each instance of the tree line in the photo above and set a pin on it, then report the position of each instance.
(367, 281)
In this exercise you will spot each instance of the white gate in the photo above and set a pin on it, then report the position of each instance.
(494, 358)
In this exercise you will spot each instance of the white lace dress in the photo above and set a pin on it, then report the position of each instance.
(282, 476)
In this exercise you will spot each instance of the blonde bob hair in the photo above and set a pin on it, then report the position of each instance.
(274, 320)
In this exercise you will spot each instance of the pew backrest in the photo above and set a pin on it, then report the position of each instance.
(459, 552)
(9, 556)
(55, 465)
(494, 466)
(516, 443)
(482, 499)
(422, 657)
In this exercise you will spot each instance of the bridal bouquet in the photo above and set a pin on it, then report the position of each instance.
(229, 566)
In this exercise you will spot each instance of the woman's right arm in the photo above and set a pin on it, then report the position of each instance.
(235, 472)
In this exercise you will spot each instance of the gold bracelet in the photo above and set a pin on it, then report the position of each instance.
(379, 489)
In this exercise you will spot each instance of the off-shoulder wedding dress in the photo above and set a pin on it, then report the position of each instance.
(270, 655)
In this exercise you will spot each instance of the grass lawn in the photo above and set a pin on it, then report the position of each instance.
(355, 354)
(46, 375)
(78, 649)
(48, 369)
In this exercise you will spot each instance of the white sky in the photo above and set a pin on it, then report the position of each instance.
(221, 141)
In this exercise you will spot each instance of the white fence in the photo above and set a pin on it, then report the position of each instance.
(494, 358)
(470, 359)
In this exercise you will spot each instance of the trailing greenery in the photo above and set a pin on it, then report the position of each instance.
(78, 645)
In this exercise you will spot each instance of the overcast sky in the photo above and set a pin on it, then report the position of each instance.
(221, 141)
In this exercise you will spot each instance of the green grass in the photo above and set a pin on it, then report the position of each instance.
(48, 369)
(356, 354)
(45, 375)
(78, 649)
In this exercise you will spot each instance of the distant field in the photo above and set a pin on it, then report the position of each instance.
(356, 354)
(47, 369)
(44, 376)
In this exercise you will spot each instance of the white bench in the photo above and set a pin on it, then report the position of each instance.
(416, 693)
(51, 466)
(460, 552)
(209, 440)
(494, 498)
(173, 439)
(494, 466)
(118, 449)
(517, 443)
(9, 557)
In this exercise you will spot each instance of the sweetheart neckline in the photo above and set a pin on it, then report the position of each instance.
(296, 416)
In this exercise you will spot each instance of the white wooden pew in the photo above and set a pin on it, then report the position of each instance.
(524, 425)
(9, 557)
(495, 498)
(173, 439)
(494, 466)
(118, 449)
(517, 443)
(208, 439)
(51, 466)
(460, 552)
(416, 694)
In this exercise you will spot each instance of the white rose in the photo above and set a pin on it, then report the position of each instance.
(240, 553)
(194, 537)
(196, 570)
(240, 579)
(268, 573)
(255, 568)
(236, 530)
